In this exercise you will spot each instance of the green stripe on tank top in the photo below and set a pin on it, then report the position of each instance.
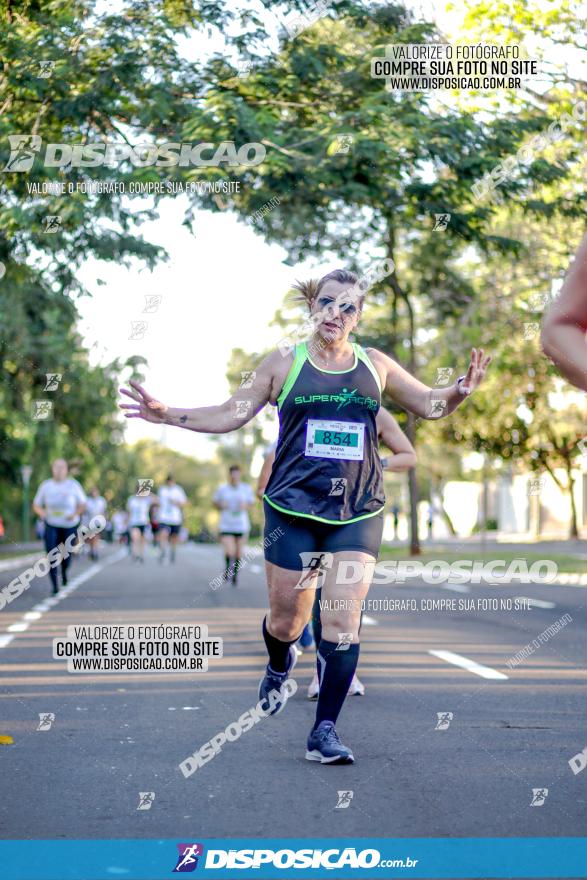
(330, 522)
(301, 353)
(364, 357)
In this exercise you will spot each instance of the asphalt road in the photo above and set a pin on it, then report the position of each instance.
(118, 734)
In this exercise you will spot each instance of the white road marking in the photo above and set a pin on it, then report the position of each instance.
(469, 665)
(457, 588)
(40, 608)
(536, 603)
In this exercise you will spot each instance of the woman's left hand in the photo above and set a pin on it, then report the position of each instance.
(476, 372)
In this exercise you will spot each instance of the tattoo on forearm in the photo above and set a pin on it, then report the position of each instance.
(183, 419)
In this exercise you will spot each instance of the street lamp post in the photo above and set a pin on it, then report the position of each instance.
(26, 471)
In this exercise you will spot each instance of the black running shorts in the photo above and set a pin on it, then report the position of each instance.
(302, 535)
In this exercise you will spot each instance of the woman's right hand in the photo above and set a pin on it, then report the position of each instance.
(145, 406)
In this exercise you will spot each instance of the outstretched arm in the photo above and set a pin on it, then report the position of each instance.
(228, 416)
(564, 332)
(420, 399)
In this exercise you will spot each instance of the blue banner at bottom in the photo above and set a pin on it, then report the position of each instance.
(277, 858)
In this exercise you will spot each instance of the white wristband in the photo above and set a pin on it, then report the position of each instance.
(459, 385)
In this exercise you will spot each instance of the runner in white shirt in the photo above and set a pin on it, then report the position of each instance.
(95, 506)
(120, 527)
(138, 518)
(171, 499)
(233, 500)
(59, 502)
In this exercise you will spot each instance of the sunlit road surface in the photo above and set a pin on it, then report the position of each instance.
(513, 728)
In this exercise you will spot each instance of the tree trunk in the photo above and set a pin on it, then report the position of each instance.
(573, 529)
(400, 293)
(415, 548)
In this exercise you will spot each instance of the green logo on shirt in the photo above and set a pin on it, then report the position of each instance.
(343, 399)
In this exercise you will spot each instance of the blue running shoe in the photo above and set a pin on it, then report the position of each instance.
(306, 640)
(273, 682)
(325, 746)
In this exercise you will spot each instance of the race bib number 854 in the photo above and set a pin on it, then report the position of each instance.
(343, 440)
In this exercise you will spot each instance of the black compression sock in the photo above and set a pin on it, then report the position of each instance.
(235, 570)
(278, 651)
(335, 670)
(226, 567)
(316, 622)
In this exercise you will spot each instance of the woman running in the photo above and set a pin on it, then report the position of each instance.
(234, 500)
(59, 503)
(138, 520)
(402, 459)
(325, 496)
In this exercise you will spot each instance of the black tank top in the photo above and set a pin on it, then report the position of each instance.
(327, 466)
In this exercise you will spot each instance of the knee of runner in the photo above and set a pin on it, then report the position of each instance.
(286, 630)
(336, 622)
